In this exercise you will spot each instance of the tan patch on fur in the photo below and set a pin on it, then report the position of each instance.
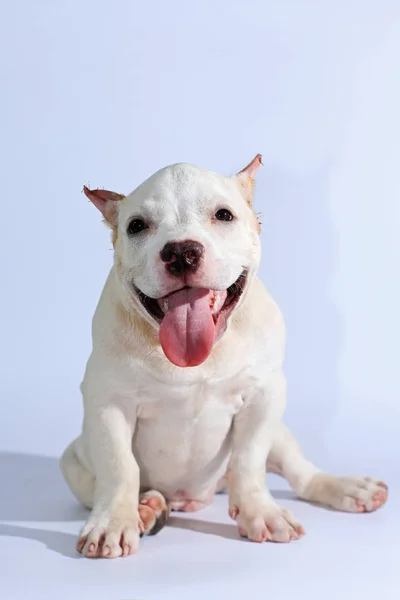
(114, 232)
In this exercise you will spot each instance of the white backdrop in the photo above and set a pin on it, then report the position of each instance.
(107, 93)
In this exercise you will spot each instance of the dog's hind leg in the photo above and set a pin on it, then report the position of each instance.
(80, 480)
(153, 511)
(352, 494)
(152, 508)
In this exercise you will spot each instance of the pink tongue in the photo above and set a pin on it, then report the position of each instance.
(187, 331)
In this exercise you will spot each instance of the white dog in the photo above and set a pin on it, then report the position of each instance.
(183, 292)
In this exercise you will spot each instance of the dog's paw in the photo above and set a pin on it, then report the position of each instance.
(111, 536)
(264, 521)
(153, 512)
(350, 494)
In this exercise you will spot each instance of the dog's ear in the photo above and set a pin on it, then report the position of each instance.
(246, 177)
(251, 169)
(106, 202)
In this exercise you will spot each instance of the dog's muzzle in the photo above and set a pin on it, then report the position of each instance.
(191, 319)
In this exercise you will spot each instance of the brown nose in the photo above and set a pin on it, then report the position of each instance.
(182, 258)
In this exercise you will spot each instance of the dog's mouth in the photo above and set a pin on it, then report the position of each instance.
(191, 319)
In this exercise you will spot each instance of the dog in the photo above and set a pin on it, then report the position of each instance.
(184, 391)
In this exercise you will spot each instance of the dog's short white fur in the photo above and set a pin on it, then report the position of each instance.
(188, 432)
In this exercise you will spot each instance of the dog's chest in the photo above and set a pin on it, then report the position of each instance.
(192, 403)
(183, 430)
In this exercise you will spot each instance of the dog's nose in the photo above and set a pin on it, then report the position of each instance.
(182, 257)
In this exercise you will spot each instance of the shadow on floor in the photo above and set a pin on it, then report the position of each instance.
(33, 489)
(62, 543)
(224, 530)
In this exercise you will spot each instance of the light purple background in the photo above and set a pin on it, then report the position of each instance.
(105, 94)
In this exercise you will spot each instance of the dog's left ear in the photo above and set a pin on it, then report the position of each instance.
(246, 176)
(106, 202)
(245, 179)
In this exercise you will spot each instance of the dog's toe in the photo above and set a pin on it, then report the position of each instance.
(108, 538)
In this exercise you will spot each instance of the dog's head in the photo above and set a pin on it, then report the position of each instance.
(186, 248)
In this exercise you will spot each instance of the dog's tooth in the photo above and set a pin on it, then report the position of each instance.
(165, 305)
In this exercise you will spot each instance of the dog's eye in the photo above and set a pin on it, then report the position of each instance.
(223, 215)
(135, 226)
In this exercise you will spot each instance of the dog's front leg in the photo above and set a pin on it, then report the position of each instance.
(114, 525)
(250, 503)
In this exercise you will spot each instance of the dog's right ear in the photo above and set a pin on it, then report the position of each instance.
(106, 202)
